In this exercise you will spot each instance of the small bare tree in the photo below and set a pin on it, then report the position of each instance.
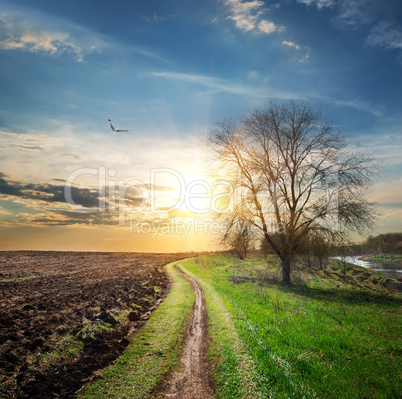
(239, 237)
(288, 172)
(313, 251)
(343, 253)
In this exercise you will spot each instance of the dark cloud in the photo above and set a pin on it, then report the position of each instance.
(93, 211)
(85, 197)
(81, 196)
(9, 188)
(68, 218)
(88, 198)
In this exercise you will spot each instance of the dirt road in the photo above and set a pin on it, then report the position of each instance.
(195, 381)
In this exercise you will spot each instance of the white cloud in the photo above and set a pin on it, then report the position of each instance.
(358, 12)
(37, 33)
(372, 15)
(4, 212)
(62, 149)
(385, 35)
(47, 42)
(244, 7)
(318, 3)
(387, 149)
(156, 18)
(352, 12)
(306, 53)
(253, 75)
(267, 27)
(247, 16)
(358, 104)
(291, 44)
(275, 6)
(389, 191)
(258, 94)
(208, 81)
(305, 58)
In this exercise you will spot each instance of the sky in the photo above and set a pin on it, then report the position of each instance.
(168, 71)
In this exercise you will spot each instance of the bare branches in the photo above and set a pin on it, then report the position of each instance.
(286, 168)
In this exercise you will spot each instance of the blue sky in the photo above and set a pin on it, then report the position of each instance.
(167, 71)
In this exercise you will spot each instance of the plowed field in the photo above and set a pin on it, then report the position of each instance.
(66, 315)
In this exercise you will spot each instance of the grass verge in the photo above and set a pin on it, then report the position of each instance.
(153, 352)
(314, 339)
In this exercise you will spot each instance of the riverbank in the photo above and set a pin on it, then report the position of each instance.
(385, 259)
(390, 269)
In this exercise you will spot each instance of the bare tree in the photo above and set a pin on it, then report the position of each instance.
(343, 253)
(288, 172)
(313, 250)
(239, 237)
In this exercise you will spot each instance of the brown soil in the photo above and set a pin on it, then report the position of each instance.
(48, 296)
(194, 381)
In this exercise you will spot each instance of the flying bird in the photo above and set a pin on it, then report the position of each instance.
(114, 130)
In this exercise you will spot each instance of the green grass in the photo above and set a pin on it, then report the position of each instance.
(91, 329)
(314, 339)
(66, 347)
(153, 352)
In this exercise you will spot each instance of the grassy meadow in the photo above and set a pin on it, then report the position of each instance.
(325, 336)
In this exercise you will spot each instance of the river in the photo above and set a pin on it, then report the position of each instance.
(389, 269)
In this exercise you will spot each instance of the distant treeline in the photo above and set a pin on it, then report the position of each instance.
(388, 244)
(317, 250)
(384, 244)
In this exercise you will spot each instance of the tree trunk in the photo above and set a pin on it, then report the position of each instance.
(286, 263)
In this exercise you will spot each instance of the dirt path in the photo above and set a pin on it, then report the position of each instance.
(195, 381)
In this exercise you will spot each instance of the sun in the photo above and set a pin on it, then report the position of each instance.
(189, 192)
